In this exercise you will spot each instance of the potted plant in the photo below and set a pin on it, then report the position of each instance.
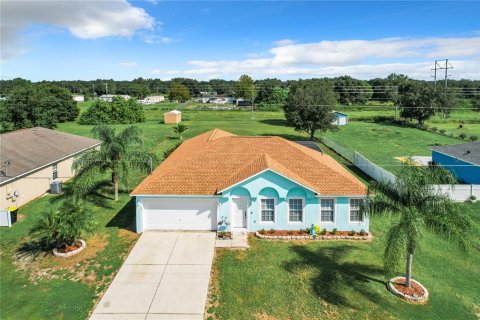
(473, 199)
(61, 229)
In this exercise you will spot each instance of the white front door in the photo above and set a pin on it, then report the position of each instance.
(240, 209)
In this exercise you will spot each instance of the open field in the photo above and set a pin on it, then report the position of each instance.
(343, 280)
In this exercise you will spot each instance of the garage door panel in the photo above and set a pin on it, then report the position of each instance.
(179, 214)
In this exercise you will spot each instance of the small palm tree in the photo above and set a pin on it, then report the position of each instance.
(115, 155)
(180, 129)
(419, 208)
(64, 227)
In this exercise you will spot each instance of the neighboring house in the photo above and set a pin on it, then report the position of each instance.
(463, 160)
(31, 159)
(109, 97)
(341, 120)
(78, 98)
(253, 183)
(154, 99)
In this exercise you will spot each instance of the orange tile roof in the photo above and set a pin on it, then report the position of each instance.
(216, 160)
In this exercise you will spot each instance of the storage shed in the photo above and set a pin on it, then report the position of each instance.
(173, 116)
(341, 120)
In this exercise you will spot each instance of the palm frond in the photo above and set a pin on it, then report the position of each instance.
(131, 135)
(395, 251)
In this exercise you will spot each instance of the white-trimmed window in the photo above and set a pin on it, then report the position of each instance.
(267, 210)
(295, 210)
(355, 210)
(54, 172)
(327, 210)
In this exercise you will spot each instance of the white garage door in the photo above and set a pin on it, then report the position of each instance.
(179, 214)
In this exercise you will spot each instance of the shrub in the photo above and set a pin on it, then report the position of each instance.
(474, 137)
(169, 151)
(334, 231)
(382, 118)
(272, 231)
(317, 229)
(422, 127)
(473, 198)
(324, 231)
(442, 131)
(362, 232)
(263, 231)
(462, 135)
(290, 232)
(352, 233)
(434, 129)
(64, 227)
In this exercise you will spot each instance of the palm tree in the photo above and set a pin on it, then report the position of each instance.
(115, 155)
(420, 208)
(179, 129)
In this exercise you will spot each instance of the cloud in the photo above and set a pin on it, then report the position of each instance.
(284, 42)
(153, 38)
(360, 58)
(128, 64)
(84, 20)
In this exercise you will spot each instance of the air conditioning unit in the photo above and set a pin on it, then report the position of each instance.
(56, 187)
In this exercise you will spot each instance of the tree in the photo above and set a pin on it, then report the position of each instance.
(117, 155)
(179, 92)
(180, 129)
(416, 101)
(271, 97)
(246, 88)
(29, 105)
(352, 91)
(64, 227)
(309, 107)
(445, 101)
(419, 208)
(118, 111)
(476, 102)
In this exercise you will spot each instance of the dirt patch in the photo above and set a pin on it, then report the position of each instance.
(263, 316)
(20, 217)
(123, 233)
(213, 297)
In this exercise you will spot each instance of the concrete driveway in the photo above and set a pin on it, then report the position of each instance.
(165, 276)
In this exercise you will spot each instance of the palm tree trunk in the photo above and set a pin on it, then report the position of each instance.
(408, 273)
(115, 184)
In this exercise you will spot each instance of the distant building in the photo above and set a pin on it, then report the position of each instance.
(109, 97)
(31, 159)
(154, 99)
(172, 117)
(463, 160)
(78, 98)
(341, 120)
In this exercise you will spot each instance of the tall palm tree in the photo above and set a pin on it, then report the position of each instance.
(420, 208)
(180, 129)
(116, 155)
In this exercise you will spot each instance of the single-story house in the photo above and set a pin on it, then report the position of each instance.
(252, 183)
(463, 160)
(31, 159)
(154, 99)
(78, 98)
(341, 120)
(109, 97)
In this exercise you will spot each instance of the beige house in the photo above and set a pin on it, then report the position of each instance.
(31, 159)
(155, 99)
(173, 116)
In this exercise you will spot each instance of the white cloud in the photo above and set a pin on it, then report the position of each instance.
(128, 64)
(360, 58)
(83, 19)
(283, 42)
(153, 38)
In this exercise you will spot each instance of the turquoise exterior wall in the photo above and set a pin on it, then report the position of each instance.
(272, 185)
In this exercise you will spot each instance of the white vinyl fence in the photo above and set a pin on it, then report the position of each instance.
(371, 169)
(459, 192)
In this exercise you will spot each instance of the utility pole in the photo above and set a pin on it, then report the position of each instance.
(106, 88)
(441, 66)
(253, 86)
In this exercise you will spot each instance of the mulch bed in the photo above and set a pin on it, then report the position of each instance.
(224, 235)
(304, 233)
(414, 288)
(67, 249)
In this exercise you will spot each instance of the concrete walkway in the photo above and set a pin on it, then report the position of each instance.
(165, 276)
(239, 240)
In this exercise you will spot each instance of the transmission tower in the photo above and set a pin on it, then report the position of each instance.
(441, 65)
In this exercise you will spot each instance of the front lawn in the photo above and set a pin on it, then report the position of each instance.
(343, 280)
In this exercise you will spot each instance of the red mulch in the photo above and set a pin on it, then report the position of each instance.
(304, 233)
(70, 248)
(414, 289)
(228, 235)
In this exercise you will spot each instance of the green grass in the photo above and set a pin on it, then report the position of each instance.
(344, 280)
(382, 142)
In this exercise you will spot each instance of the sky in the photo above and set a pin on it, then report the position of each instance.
(123, 40)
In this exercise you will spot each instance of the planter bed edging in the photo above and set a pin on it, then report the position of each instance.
(419, 300)
(70, 253)
(320, 237)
